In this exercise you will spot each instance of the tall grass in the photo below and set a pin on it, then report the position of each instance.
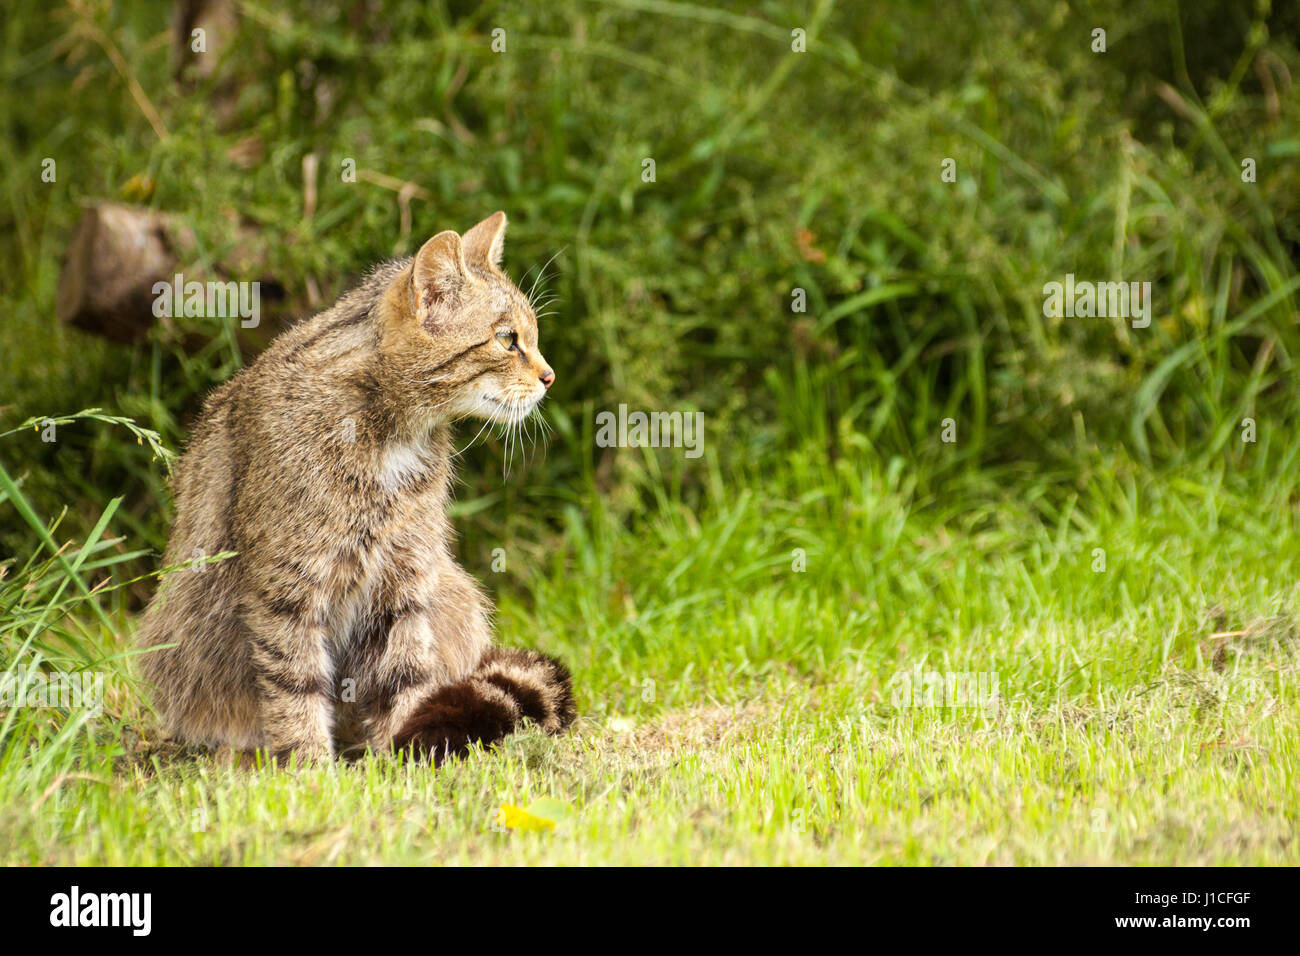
(59, 616)
(776, 171)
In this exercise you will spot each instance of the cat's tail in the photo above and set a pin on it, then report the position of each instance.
(508, 686)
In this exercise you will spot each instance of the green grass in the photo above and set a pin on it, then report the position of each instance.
(738, 711)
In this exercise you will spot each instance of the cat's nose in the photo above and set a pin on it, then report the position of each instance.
(547, 378)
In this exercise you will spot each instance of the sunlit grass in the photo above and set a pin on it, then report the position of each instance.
(738, 711)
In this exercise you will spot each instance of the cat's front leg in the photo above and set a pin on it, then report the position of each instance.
(400, 671)
(294, 678)
(429, 646)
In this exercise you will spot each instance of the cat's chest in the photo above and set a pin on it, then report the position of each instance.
(396, 531)
(403, 466)
(397, 516)
(407, 476)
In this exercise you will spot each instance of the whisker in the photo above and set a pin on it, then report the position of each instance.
(540, 273)
(486, 423)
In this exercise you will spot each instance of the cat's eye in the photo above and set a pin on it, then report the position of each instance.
(508, 340)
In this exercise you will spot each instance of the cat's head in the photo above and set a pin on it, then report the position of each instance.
(461, 335)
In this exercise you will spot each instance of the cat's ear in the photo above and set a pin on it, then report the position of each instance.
(483, 243)
(438, 272)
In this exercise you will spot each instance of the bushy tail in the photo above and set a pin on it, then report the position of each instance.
(508, 686)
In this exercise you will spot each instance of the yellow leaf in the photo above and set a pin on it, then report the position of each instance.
(516, 818)
(541, 814)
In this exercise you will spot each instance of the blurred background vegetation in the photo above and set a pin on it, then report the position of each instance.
(775, 170)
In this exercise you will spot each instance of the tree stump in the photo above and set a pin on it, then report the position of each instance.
(117, 254)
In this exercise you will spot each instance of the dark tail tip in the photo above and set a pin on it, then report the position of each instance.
(508, 687)
(541, 685)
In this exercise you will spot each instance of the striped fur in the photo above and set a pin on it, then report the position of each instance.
(508, 687)
(327, 467)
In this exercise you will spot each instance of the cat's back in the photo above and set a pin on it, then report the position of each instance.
(311, 350)
(300, 377)
(275, 412)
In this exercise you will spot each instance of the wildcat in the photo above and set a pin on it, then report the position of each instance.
(344, 622)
